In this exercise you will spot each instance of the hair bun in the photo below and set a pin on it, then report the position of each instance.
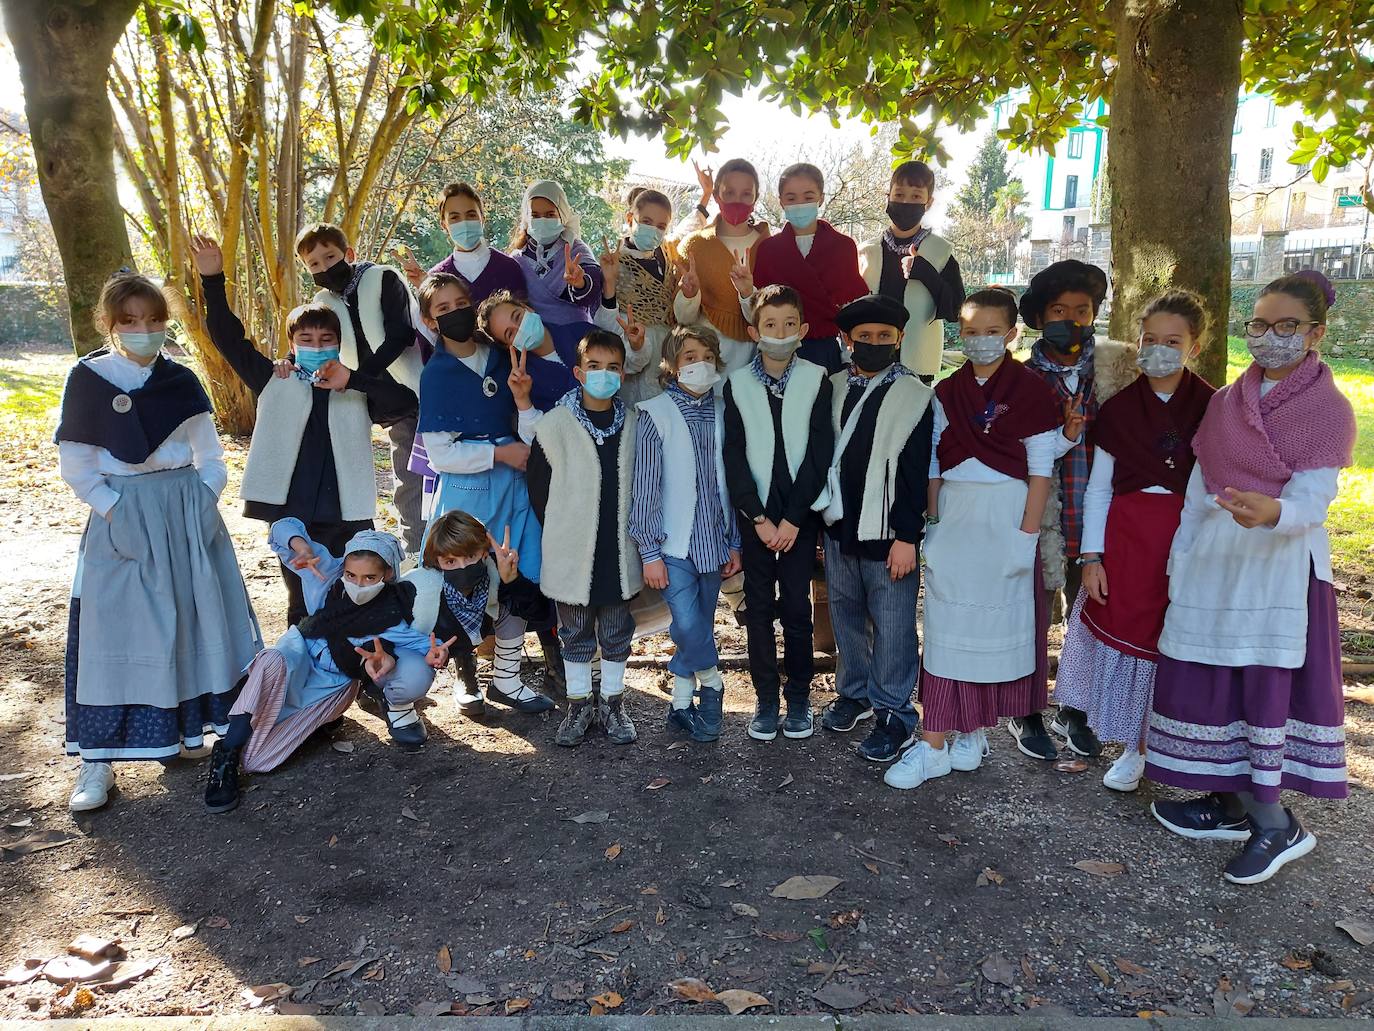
(1324, 284)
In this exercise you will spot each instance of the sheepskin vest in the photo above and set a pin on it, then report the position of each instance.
(755, 410)
(405, 370)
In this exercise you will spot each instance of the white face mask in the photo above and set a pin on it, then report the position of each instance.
(779, 348)
(699, 376)
(984, 350)
(361, 594)
(1159, 360)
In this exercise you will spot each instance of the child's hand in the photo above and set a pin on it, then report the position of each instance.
(507, 558)
(901, 559)
(406, 259)
(377, 664)
(333, 375)
(690, 283)
(305, 557)
(609, 261)
(208, 257)
(732, 567)
(519, 380)
(1250, 508)
(766, 532)
(633, 330)
(909, 259)
(1074, 419)
(741, 277)
(784, 537)
(656, 574)
(437, 656)
(1095, 581)
(516, 454)
(283, 368)
(706, 177)
(573, 273)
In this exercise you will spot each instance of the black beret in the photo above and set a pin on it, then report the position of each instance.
(873, 308)
(1059, 278)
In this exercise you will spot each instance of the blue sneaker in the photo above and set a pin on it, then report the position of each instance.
(764, 725)
(886, 741)
(685, 720)
(710, 714)
(800, 722)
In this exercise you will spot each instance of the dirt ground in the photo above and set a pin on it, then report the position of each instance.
(457, 879)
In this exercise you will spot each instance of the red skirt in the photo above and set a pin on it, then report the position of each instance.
(1140, 530)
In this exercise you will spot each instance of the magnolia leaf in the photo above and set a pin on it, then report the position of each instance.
(1098, 868)
(806, 886)
(692, 989)
(737, 1000)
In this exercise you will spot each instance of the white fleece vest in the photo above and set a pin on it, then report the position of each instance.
(680, 469)
(902, 407)
(429, 594)
(573, 513)
(283, 410)
(405, 370)
(924, 340)
(751, 398)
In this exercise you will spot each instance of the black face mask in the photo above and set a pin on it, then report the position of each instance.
(457, 325)
(469, 578)
(904, 215)
(874, 357)
(1067, 338)
(336, 277)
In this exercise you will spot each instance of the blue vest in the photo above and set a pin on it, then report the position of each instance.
(454, 399)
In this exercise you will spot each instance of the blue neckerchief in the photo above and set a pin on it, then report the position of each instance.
(774, 386)
(1038, 360)
(468, 611)
(572, 401)
(894, 371)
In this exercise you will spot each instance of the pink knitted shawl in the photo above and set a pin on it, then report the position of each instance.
(1256, 443)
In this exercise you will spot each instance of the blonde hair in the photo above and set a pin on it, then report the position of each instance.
(677, 340)
(121, 288)
(454, 534)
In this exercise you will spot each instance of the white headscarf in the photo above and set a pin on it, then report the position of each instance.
(551, 191)
(379, 543)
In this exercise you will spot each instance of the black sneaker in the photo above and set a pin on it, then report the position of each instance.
(800, 722)
(843, 714)
(1203, 817)
(886, 741)
(616, 721)
(222, 789)
(684, 720)
(1072, 725)
(1032, 738)
(764, 725)
(710, 714)
(581, 715)
(1269, 851)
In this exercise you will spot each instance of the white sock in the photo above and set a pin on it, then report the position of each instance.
(612, 678)
(579, 675)
(506, 669)
(683, 689)
(711, 678)
(403, 715)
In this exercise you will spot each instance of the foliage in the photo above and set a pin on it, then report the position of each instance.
(985, 177)
(987, 219)
(24, 219)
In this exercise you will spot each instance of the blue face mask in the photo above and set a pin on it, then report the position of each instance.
(602, 383)
(802, 216)
(144, 345)
(312, 359)
(545, 230)
(530, 333)
(646, 237)
(466, 235)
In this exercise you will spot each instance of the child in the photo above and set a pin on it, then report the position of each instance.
(911, 264)
(1142, 457)
(813, 258)
(377, 317)
(562, 276)
(311, 453)
(484, 270)
(160, 626)
(874, 505)
(986, 620)
(639, 283)
(463, 596)
(682, 520)
(716, 262)
(580, 472)
(357, 637)
(550, 348)
(778, 445)
(475, 423)
(1248, 693)
(1062, 302)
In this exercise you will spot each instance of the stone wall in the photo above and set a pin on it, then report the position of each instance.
(1350, 322)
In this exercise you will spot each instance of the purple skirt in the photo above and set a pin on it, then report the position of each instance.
(1255, 728)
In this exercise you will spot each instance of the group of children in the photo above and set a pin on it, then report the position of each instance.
(581, 440)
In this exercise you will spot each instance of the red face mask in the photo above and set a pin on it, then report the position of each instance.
(736, 212)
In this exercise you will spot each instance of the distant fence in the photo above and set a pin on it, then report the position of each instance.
(33, 313)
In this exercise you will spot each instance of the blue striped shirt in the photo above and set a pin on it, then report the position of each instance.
(714, 531)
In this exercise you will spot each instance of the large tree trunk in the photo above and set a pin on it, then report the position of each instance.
(63, 48)
(1172, 108)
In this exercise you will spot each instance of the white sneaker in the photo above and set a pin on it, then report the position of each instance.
(1126, 772)
(93, 785)
(967, 751)
(204, 750)
(918, 765)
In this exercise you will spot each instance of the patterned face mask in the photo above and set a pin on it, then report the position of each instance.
(1272, 351)
(984, 350)
(1159, 360)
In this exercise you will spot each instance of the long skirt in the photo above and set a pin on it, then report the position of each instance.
(1260, 729)
(160, 627)
(1112, 687)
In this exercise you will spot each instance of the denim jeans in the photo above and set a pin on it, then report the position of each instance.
(691, 598)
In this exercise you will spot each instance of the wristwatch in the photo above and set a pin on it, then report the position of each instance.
(759, 520)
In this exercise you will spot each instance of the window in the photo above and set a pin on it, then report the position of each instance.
(1271, 116)
(1266, 169)
(1076, 144)
(1068, 228)
(1071, 191)
(1297, 205)
(1232, 179)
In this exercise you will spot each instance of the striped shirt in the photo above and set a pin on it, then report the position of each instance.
(714, 531)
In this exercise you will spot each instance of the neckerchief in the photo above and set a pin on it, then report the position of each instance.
(469, 611)
(572, 401)
(1038, 360)
(353, 282)
(773, 386)
(894, 371)
(903, 247)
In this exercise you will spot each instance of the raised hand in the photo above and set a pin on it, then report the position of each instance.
(283, 368)
(305, 557)
(690, 283)
(1074, 419)
(406, 259)
(208, 257)
(909, 259)
(1250, 508)
(609, 260)
(706, 177)
(377, 664)
(632, 328)
(742, 277)
(437, 656)
(507, 558)
(333, 375)
(519, 380)
(573, 273)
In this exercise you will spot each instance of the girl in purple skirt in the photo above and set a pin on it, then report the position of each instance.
(1248, 692)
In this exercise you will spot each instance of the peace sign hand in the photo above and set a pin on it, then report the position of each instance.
(437, 656)
(609, 260)
(519, 379)
(631, 327)
(406, 259)
(573, 273)
(377, 664)
(305, 557)
(690, 283)
(1074, 418)
(706, 177)
(507, 558)
(742, 277)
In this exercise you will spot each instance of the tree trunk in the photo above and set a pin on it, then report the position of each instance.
(1173, 106)
(63, 48)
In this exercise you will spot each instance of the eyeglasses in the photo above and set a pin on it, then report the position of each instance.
(1284, 327)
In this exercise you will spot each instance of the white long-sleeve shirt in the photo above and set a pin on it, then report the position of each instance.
(1097, 497)
(86, 467)
(1040, 454)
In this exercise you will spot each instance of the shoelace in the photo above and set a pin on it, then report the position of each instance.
(91, 774)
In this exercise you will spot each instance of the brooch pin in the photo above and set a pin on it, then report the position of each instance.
(990, 415)
(1168, 444)
(489, 387)
(122, 403)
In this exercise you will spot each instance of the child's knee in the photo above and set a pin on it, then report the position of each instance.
(410, 681)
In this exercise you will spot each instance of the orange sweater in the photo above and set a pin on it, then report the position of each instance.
(719, 298)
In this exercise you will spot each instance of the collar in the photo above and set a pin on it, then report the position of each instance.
(676, 390)
(775, 386)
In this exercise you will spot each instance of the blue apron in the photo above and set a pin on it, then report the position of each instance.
(499, 498)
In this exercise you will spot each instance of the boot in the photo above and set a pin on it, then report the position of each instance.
(222, 789)
(555, 677)
(710, 706)
(467, 692)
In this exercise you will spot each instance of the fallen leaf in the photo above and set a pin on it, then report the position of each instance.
(348, 968)
(608, 1000)
(785, 781)
(94, 947)
(597, 1010)
(19, 825)
(737, 1000)
(873, 869)
(431, 1009)
(444, 960)
(949, 839)
(21, 973)
(377, 973)
(817, 936)
(1359, 929)
(1355, 1000)
(516, 1005)
(1103, 974)
(342, 746)
(692, 989)
(301, 919)
(218, 922)
(590, 816)
(1070, 766)
(783, 936)
(261, 994)
(841, 996)
(659, 918)
(1292, 962)
(307, 961)
(806, 886)
(622, 927)
(409, 813)
(846, 918)
(1098, 868)
(61, 969)
(466, 984)
(530, 954)
(743, 909)
(1132, 969)
(1231, 1003)
(39, 841)
(657, 783)
(998, 969)
(371, 1008)
(184, 931)
(5, 778)
(989, 876)
(613, 851)
(650, 890)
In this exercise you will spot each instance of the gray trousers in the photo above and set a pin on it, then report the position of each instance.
(409, 486)
(582, 627)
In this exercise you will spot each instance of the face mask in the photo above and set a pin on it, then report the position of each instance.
(601, 383)
(466, 235)
(359, 594)
(1272, 351)
(736, 212)
(458, 324)
(468, 578)
(699, 376)
(144, 345)
(646, 237)
(530, 333)
(312, 359)
(336, 277)
(984, 350)
(904, 215)
(801, 216)
(779, 348)
(1067, 337)
(546, 230)
(1159, 360)
(874, 357)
